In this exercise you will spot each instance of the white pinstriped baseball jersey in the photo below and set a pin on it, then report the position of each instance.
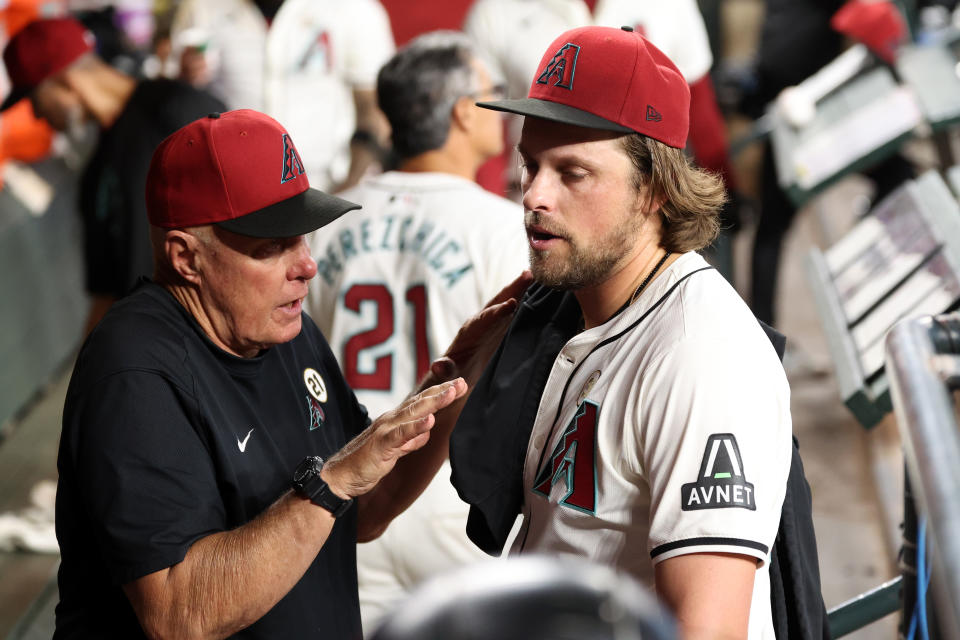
(396, 279)
(665, 431)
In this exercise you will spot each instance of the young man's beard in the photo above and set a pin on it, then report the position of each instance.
(584, 266)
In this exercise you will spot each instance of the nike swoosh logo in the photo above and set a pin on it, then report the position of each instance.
(243, 445)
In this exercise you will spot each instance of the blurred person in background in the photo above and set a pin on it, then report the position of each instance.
(397, 279)
(23, 136)
(311, 64)
(514, 34)
(797, 38)
(53, 62)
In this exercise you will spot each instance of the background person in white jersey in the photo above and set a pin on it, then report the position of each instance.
(649, 408)
(397, 280)
(514, 33)
(310, 64)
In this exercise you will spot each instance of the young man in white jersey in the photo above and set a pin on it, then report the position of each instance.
(636, 412)
(396, 280)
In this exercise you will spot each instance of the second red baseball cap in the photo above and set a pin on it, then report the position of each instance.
(606, 78)
(240, 171)
(40, 50)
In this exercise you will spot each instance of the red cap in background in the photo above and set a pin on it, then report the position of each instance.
(879, 25)
(40, 50)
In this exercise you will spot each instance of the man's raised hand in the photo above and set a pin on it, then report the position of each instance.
(362, 462)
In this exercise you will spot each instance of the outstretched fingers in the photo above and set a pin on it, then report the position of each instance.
(415, 417)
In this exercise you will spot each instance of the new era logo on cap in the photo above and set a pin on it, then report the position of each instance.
(620, 75)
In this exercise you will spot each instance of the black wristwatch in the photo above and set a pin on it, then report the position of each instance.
(308, 483)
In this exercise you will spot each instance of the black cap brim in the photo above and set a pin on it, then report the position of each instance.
(296, 216)
(15, 96)
(554, 111)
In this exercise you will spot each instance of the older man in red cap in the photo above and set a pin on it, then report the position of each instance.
(216, 471)
(53, 63)
(651, 410)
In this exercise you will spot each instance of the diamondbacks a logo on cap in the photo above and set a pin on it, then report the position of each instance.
(562, 67)
(721, 483)
(653, 114)
(292, 167)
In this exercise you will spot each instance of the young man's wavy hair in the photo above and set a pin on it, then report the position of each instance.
(691, 197)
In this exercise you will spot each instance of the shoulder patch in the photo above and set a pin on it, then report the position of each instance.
(721, 483)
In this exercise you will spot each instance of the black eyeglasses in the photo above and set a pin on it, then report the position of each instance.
(495, 92)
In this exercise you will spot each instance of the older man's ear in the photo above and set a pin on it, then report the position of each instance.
(181, 250)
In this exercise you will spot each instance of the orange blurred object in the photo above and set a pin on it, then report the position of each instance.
(23, 136)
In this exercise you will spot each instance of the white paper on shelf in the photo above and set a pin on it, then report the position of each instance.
(854, 136)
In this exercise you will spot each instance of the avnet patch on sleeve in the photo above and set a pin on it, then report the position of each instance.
(722, 482)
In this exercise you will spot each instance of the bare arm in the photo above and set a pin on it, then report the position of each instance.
(709, 593)
(228, 580)
(373, 136)
(467, 356)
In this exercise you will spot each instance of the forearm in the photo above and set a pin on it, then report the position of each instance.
(371, 138)
(231, 579)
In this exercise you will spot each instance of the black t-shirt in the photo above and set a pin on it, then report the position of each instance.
(167, 438)
(112, 201)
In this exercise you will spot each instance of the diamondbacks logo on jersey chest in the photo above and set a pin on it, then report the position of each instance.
(573, 462)
(722, 483)
(317, 393)
(318, 54)
(559, 71)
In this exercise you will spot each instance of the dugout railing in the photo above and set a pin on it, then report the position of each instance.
(923, 366)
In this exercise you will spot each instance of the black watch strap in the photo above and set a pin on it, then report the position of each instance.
(308, 483)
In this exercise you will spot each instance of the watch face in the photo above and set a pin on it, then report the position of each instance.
(300, 472)
(310, 464)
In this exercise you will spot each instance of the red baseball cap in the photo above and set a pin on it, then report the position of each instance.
(240, 171)
(40, 50)
(611, 79)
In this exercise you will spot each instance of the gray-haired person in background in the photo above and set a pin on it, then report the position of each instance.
(397, 279)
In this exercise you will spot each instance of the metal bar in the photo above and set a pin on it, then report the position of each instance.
(931, 441)
(865, 608)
